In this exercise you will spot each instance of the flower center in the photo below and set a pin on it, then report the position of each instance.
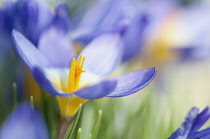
(75, 72)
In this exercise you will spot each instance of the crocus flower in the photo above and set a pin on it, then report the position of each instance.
(83, 80)
(193, 122)
(27, 16)
(30, 17)
(24, 123)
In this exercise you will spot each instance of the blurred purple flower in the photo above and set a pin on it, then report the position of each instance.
(192, 32)
(110, 15)
(24, 123)
(32, 18)
(27, 16)
(5, 38)
(193, 122)
(50, 64)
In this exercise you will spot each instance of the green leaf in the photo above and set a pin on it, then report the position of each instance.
(49, 108)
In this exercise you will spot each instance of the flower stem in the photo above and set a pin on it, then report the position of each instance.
(63, 126)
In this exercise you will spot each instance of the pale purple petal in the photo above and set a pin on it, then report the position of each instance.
(28, 52)
(98, 13)
(133, 82)
(54, 43)
(103, 54)
(56, 47)
(98, 90)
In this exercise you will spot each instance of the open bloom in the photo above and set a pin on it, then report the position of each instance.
(193, 122)
(83, 80)
(24, 123)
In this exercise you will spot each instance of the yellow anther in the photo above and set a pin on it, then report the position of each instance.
(75, 72)
(69, 105)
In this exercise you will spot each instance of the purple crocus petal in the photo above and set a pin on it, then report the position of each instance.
(133, 82)
(56, 47)
(85, 35)
(134, 36)
(89, 28)
(98, 90)
(24, 123)
(28, 52)
(5, 37)
(186, 127)
(2, 20)
(204, 134)
(45, 83)
(38, 17)
(99, 12)
(103, 54)
(31, 17)
(106, 16)
(61, 18)
(193, 122)
(201, 119)
(54, 40)
(9, 9)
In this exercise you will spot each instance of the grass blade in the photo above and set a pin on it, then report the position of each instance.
(14, 95)
(71, 130)
(96, 127)
(79, 133)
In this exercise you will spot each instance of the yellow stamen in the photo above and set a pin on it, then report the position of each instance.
(69, 106)
(75, 72)
(80, 59)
